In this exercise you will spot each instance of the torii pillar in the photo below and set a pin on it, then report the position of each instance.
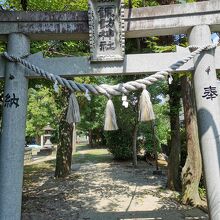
(208, 114)
(13, 130)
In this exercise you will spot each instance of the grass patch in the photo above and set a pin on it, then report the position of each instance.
(40, 167)
(84, 154)
(93, 156)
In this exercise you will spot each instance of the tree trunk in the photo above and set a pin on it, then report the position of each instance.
(74, 138)
(64, 148)
(24, 4)
(155, 145)
(129, 3)
(38, 139)
(173, 181)
(90, 138)
(192, 170)
(166, 2)
(134, 144)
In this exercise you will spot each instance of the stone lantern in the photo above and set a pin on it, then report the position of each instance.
(48, 133)
(47, 145)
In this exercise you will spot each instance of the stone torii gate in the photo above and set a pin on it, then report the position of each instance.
(18, 28)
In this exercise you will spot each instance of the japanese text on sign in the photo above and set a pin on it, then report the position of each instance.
(106, 36)
(106, 32)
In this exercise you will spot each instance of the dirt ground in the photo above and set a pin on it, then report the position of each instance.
(100, 189)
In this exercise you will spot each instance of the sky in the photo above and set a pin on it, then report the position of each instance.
(215, 38)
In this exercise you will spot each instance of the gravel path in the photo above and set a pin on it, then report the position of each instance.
(103, 191)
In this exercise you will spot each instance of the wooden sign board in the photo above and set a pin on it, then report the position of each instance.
(106, 32)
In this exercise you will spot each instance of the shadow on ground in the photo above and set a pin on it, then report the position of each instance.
(99, 188)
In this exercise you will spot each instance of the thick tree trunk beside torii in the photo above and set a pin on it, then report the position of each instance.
(64, 147)
(192, 170)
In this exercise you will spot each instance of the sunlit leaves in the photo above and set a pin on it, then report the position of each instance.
(49, 5)
(42, 109)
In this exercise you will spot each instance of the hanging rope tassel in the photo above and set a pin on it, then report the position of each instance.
(110, 117)
(73, 114)
(146, 112)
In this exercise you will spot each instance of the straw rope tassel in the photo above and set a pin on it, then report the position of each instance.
(110, 117)
(73, 114)
(146, 112)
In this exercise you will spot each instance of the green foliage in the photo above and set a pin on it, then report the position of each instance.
(202, 192)
(48, 5)
(92, 112)
(162, 122)
(162, 129)
(146, 139)
(2, 47)
(158, 45)
(141, 3)
(42, 109)
(39, 46)
(119, 143)
(60, 48)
